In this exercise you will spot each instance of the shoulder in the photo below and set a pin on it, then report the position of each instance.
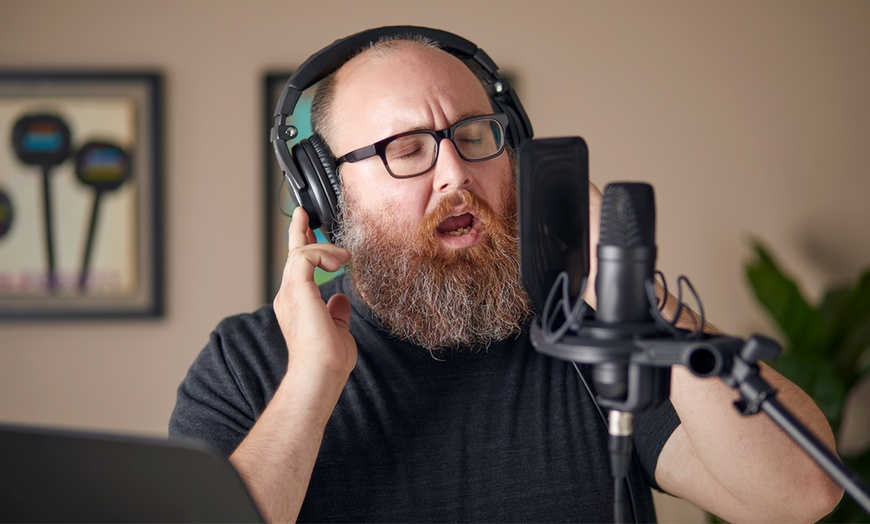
(257, 335)
(249, 340)
(254, 342)
(248, 347)
(231, 380)
(248, 330)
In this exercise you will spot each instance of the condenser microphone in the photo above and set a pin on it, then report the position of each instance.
(626, 262)
(631, 348)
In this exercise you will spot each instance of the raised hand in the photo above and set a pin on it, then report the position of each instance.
(317, 334)
(277, 457)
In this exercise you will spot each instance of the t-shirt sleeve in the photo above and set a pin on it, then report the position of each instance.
(231, 381)
(651, 431)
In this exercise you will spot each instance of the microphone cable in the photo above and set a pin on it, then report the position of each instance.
(619, 488)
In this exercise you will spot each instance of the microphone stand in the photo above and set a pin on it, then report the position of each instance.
(649, 359)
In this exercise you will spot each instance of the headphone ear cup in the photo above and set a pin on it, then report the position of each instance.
(329, 167)
(319, 212)
(323, 198)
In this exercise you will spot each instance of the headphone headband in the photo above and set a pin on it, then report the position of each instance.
(329, 59)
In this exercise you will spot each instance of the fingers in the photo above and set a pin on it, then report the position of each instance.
(317, 334)
(594, 188)
(339, 309)
(595, 198)
(305, 254)
(299, 233)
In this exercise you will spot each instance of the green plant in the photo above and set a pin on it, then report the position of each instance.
(826, 348)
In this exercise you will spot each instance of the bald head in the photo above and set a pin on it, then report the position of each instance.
(394, 59)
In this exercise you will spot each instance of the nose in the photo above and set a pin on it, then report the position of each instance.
(451, 172)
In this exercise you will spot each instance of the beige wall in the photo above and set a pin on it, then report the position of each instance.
(750, 118)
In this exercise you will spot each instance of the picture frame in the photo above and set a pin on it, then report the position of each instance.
(278, 203)
(81, 210)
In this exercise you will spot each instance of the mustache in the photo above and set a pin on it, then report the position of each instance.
(474, 204)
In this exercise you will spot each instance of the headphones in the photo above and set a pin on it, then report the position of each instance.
(309, 168)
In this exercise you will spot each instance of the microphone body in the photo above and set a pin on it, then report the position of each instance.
(620, 284)
(626, 261)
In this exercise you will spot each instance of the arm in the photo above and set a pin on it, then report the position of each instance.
(743, 468)
(277, 457)
(739, 468)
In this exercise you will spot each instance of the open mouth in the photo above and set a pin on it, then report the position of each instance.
(456, 225)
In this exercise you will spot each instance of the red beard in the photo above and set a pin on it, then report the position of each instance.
(440, 298)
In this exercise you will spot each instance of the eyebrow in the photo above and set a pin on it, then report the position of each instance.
(461, 117)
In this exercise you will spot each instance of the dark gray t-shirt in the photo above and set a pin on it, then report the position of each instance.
(503, 434)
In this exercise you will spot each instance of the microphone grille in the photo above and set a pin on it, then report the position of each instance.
(628, 215)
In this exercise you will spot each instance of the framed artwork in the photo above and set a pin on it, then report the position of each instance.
(80, 194)
(278, 204)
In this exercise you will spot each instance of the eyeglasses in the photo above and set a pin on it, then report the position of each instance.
(414, 153)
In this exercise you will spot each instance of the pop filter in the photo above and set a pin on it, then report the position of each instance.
(553, 198)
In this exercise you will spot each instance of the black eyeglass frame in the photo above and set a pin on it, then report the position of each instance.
(379, 148)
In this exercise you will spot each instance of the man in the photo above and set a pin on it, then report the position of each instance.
(409, 390)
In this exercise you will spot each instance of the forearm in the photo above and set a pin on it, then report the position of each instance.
(277, 457)
(756, 472)
(743, 467)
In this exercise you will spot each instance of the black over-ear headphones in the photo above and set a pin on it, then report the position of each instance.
(309, 168)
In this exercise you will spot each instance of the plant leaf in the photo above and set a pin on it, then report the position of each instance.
(802, 325)
(818, 378)
(848, 314)
(827, 351)
(864, 372)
